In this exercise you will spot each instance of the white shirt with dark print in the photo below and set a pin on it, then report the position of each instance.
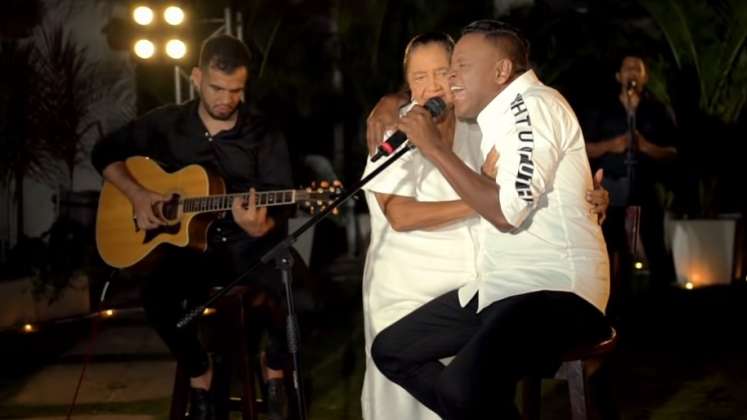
(543, 176)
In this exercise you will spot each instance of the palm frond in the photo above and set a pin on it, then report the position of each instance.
(710, 37)
(731, 49)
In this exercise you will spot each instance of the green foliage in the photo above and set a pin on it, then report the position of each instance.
(67, 89)
(21, 151)
(708, 38)
(705, 74)
(322, 66)
(47, 90)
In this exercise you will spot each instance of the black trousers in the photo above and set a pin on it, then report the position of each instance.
(651, 231)
(514, 337)
(183, 278)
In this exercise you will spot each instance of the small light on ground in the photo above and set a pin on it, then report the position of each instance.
(208, 311)
(28, 328)
(689, 286)
(108, 313)
(638, 265)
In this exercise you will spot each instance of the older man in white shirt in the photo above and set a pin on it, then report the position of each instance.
(540, 291)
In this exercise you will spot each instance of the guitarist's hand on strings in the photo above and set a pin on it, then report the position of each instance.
(252, 219)
(146, 205)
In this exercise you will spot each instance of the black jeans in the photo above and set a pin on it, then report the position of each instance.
(514, 337)
(183, 278)
(660, 264)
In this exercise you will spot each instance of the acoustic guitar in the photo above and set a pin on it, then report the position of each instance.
(196, 198)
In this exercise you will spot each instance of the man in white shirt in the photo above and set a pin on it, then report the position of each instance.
(540, 291)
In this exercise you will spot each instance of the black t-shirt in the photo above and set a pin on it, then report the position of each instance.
(250, 154)
(610, 120)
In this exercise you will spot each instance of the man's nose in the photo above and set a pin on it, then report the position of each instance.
(226, 97)
(434, 83)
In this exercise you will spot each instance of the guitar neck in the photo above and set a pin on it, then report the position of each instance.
(223, 202)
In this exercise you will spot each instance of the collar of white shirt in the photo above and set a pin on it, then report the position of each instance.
(501, 102)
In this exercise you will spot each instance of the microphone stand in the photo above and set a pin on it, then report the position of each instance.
(280, 253)
(631, 161)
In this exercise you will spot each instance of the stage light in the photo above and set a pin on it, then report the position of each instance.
(176, 49)
(143, 15)
(144, 49)
(28, 328)
(638, 265)
(173, 15)
(689, 285)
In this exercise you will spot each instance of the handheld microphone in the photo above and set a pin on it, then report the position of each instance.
(436, 106)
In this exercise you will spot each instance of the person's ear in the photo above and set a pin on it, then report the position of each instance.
(504, 68)
(196, 77)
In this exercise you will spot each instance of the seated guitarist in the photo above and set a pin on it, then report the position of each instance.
(218, 132)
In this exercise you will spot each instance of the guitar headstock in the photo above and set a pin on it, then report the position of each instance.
(317, 196)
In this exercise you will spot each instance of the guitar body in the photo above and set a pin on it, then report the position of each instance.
(119, 241)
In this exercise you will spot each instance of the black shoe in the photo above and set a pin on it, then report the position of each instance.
(201, 405)
(277, 400)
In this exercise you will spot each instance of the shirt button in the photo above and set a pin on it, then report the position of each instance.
(223, 239)
(218, 229)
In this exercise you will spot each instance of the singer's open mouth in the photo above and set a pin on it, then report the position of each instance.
(458, 92)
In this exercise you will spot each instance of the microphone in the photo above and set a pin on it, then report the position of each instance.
(436, 106)
(632, 83)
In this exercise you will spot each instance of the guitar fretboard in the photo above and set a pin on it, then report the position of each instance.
(225, 201)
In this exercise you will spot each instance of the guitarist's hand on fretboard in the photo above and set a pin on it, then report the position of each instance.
(146, 206)
(133, 220)
(252, 219)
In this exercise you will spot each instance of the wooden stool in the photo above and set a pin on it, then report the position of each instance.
(577, 367)
(227, 339)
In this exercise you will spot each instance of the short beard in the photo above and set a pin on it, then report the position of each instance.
(220, 117)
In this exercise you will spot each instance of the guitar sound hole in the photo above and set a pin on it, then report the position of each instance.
(170, 208)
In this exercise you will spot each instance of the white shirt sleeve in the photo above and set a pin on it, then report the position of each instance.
(529, 155)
